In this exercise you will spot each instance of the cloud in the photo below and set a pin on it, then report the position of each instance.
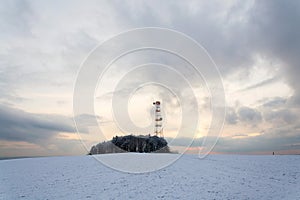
(260, 143)
(281, 116)
(18, 125)
(85, 121)
(276, 36)
(275, 102)
(231, 116)
(249, 115)
(266, 142)
(260, 84)
(15, 19)
(42, 47)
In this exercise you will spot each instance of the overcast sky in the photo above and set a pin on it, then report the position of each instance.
(255, 45)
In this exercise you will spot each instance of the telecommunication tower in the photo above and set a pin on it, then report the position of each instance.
(158, 130)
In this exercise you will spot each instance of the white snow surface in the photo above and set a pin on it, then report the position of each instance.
(214, 177)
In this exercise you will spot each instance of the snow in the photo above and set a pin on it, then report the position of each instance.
(138, 162)
(214, 177)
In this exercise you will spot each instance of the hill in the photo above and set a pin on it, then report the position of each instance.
(215, 177)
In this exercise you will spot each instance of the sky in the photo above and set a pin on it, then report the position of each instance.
(255, 45)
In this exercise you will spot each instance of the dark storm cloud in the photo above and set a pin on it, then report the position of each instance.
(18, 125)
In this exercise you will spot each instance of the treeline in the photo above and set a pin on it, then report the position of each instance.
(131, 143)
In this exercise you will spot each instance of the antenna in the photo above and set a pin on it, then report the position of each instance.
(158, 130)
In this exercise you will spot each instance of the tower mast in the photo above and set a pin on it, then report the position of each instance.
(158, 130)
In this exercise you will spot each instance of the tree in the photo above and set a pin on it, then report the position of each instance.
(130, 143)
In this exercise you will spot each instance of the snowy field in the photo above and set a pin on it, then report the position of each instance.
(215, 177)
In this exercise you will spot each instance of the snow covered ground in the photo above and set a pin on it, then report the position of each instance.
(215, 177)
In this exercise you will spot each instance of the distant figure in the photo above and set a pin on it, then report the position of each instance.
(273, 153)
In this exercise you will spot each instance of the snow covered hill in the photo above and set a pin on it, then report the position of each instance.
(215, 177)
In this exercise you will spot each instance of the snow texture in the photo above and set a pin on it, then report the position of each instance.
(214, 177)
